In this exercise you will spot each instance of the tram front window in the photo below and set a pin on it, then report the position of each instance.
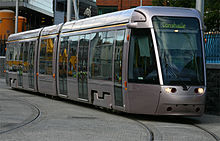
(180, 50)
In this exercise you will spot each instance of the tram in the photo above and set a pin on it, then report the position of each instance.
(145, 60)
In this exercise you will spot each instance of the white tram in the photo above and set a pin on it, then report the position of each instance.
(146, 60)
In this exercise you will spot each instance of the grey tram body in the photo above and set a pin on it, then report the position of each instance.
(138, 98)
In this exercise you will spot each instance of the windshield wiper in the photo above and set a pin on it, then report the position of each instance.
(170, 68)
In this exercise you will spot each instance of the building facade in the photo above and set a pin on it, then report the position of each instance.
(106, 6)
(38, 13)
(85, 7)
(32, 14)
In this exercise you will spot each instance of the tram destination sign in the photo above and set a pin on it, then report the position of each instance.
(180, 23)
(176, 26)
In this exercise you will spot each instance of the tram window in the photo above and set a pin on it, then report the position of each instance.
(142, 62)
(25, 58)
(10, 53)
(21, 51)
(63, 55)
(31, 53)
(72, 58)
(31, 57)
(15, 58)
(94, 62)
(119, 55)
(20, 64)
(101, 52)
(83, 53)
(46, 56)
(7, 56)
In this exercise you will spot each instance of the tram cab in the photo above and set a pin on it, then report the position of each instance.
(166, 71)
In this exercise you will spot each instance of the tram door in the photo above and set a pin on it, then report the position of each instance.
(31, 64)
(118, 96)
(82, 66)
(63, 55)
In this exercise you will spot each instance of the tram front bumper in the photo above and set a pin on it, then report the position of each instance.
(181, 102)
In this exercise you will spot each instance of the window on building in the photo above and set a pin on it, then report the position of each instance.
(61, 6)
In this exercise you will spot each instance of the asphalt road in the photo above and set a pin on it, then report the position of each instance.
(26, 116)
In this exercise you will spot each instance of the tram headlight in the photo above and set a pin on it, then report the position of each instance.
(170, 90)
(199, 91)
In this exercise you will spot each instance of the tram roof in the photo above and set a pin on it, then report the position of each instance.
(99, 21)
(124, 16)
(51, 30)
(127, 16)
(25, 34)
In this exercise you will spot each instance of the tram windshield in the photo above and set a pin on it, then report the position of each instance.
(180, 50)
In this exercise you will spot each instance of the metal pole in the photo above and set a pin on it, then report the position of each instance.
(68, 12)
(141, 3)
(75, 10)
(16, 17)
(200, 6)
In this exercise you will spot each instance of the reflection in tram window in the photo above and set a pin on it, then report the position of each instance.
(63, 56)
(25, 58)
(83, 52)
(46, 56)
(72, 58)
(101, 55)
(20, 67)
(9, 57)
(118, 56)
(16, 57)
(31, 64)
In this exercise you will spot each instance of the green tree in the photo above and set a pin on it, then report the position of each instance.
(211, 10)
(212, 15)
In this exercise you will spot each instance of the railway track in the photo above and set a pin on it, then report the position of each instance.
(207, 131)
(35, 113)
(156, 132)
(151, 133)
